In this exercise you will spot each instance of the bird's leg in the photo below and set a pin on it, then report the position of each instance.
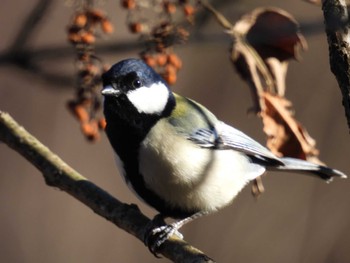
(158, 231)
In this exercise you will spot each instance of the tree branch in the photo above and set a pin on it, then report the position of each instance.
(338, 34)
(59, 175)
(30, 23)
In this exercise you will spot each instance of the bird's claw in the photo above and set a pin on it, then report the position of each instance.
(156, 236)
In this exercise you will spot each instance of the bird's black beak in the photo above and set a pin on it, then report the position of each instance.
(108, 90)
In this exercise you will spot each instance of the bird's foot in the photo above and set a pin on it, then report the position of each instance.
(158, 232)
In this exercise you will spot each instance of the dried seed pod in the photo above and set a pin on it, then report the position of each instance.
(107, 26)
(170, 74)
(102, 123)
(189, 10)
(128, 4)
(149, 60)
(161, 59)
(170, 8)
(170, 69)
(80, 20)
(88, 38)
(90, 130)
(136, 27)
(79, 111)
(170, 78)
(174, 60)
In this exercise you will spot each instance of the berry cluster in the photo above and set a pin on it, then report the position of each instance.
(82, 33)
(85, 25)
(160, 24)
(166, 64)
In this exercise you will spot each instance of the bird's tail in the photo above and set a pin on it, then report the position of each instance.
(298, 165)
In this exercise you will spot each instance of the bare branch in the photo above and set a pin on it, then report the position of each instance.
(338, 34)
(59, 175)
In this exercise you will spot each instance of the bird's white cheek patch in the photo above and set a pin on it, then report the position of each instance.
(150, 100)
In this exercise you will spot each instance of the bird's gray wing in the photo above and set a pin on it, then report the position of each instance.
(224, 137)
(227, 137)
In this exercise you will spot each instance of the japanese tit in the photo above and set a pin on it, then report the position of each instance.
(175, 154)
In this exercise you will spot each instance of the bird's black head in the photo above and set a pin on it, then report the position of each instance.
(135, 94)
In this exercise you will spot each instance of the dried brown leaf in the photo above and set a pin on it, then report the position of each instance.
(274, 32)
(263, 43)
(286, 136)
(265, 40)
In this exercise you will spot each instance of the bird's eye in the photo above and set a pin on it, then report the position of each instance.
(136, 83)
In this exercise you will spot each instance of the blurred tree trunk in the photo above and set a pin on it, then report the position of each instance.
(337, 24)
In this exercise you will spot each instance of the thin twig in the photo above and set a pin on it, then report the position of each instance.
(59, 175)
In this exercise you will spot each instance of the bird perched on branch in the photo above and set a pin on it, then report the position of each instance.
(176, 155)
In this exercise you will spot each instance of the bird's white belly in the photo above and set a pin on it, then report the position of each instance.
(191, 177)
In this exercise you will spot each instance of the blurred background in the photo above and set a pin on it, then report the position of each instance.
(297, 219)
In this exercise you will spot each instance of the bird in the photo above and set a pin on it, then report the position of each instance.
(176, 155)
